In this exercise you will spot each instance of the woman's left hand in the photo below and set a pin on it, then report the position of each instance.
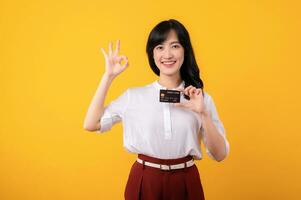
(196, 102)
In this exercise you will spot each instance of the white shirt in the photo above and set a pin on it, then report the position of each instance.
(159, 129)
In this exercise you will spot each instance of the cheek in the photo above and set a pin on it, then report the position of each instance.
(156, 61)
(181, 54)
(157, 58)
(180, 57)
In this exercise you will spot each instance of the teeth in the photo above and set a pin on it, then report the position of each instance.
(169, 62)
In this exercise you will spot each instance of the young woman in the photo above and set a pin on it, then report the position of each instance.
(166, 136)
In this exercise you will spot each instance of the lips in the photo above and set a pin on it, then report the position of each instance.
(168, 63)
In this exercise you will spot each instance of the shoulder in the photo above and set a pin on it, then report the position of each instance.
(207, 97)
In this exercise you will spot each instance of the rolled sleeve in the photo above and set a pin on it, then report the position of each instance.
(114, 112)
(210, 105)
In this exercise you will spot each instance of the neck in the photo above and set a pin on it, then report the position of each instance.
(169, 81)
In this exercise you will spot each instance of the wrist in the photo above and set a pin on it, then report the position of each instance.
(109, 77)
(204, 113)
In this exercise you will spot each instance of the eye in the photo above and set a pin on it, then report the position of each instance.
(176, 46)
(159, 47)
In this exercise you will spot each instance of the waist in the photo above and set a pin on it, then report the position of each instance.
(165, 161)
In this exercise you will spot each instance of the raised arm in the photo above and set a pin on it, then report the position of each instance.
(113, 69)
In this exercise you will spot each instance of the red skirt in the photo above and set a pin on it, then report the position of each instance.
(149, 183)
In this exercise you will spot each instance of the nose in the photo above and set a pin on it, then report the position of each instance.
(167, 53)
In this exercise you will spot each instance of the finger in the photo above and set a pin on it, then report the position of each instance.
(126, 64)
(122, 57)
(125, 59)
(191, 91)
(187, 89)
(198, 91)
(110, 49)
(104, 53)
(117, 47)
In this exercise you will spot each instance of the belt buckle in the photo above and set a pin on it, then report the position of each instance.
(169, 167)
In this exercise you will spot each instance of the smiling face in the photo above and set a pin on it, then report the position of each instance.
(169, 55)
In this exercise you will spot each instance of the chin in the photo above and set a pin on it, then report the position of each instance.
(169, 72)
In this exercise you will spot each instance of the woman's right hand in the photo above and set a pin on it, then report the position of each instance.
(113, 61)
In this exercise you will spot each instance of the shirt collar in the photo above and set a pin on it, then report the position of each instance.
(159, 86)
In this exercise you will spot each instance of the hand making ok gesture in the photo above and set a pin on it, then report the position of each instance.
(196, 102)
(113, 61)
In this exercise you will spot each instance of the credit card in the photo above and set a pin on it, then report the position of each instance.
(171, 96)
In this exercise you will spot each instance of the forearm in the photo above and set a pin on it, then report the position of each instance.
(215, 141)
(96, 107)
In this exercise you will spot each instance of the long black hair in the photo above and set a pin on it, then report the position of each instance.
(189, 70)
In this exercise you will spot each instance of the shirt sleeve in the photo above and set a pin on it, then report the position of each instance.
(209, 103)
(114, 112)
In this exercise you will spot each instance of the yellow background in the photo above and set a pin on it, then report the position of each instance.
(51, 65)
